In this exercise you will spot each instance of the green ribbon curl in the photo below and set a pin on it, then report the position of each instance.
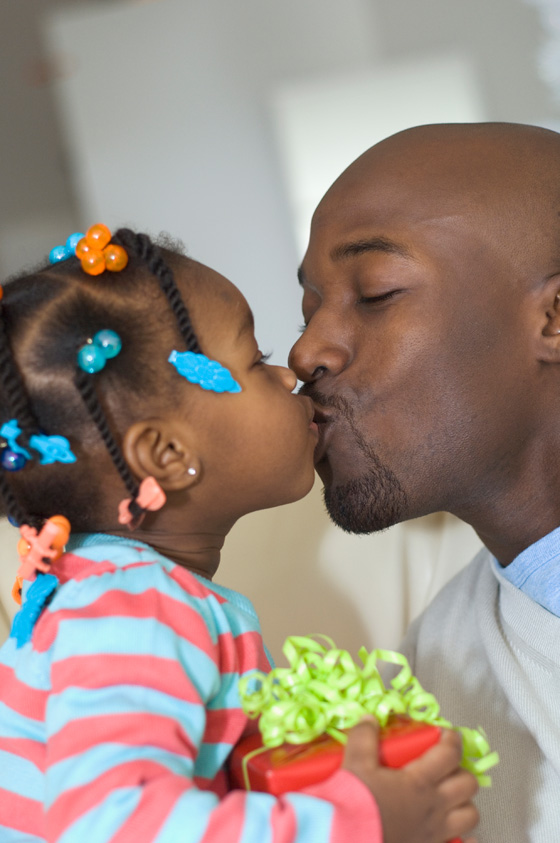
(325, 691)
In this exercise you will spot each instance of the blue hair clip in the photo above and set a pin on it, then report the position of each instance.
(37, 595)
(62, 253)
(52, 448)
(10, 431)
(199, 369)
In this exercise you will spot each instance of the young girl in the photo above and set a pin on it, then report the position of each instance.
(136, 407)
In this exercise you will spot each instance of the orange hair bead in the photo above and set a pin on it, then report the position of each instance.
(115, 257)
(82, 248)
(23, 547)
(94, 262)
(1, 293)
(16, 590)
(98, 236)
(65, 529)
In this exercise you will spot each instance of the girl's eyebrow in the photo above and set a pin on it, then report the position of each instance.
(247, 324)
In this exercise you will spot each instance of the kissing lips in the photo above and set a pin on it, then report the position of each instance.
(322, 421)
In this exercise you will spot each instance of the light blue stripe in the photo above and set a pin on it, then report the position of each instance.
(17, 775)
(119, 635)
(257, 827)
(75, 703)
(85, 768)
(15, 725)
(314, 817)
(189, 818)
(102, 822)
(227, 695)
(8, 835)
(211, 758)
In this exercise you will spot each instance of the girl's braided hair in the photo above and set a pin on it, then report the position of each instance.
(45, 317)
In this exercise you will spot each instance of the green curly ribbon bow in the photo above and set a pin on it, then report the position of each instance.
(324, 690)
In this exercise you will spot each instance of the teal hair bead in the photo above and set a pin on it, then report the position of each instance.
(109, 341)
(73, 241)
(91, 358)
(59, 253)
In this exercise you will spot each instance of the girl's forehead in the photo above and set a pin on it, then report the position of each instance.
(216, 305)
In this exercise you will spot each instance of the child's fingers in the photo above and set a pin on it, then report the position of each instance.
(462, 820)
(458, 788)
(441, 760)
(362, 749)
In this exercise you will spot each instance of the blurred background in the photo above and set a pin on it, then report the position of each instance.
(222, 122)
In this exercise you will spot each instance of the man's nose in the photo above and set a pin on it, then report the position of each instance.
(318, 352)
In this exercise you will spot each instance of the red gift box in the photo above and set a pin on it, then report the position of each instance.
(291, 767)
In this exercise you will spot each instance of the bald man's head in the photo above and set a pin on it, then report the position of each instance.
(432, 344)
(500, 174)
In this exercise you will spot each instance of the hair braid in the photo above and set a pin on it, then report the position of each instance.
(17, 400)
(13, 508)
(86, 388)
(141, 246)
(13, 385)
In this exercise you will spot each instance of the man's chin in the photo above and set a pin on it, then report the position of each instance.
(367, 504)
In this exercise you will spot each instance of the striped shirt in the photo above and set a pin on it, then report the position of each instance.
(118, 715)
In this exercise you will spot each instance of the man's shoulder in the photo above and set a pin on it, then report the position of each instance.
(452, 605)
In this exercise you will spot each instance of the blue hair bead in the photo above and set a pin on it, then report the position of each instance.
(12, 521)
(109, 341)
(12, 460)
(91, 358)
(73, 241)
(59, 253)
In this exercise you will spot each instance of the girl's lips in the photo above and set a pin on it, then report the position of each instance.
(321, 420)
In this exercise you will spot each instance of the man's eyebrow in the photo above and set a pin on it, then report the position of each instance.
(369, 244)
(358, 247)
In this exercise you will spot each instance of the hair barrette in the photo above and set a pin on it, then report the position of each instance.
(15, 457)
(94, 250)
(93, 356)
(151, 497)
(199, 369)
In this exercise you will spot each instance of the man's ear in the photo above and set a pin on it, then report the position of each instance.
(550, 335)
(162, 448)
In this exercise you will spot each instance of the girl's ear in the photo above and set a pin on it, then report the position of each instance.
(550, 336)
(162, 448)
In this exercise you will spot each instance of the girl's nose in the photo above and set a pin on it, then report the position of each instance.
(288, 377)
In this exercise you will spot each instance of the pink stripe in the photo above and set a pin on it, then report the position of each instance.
(189, 583)
(32, 751)
(105, 670)
(27, 701)
(182, 619)
(242, 653)
(226, 823)
(156, 803)
(224, 725)
(76, 801)
(284, 822)
(21, 814)
(356, 815)
(140, 729)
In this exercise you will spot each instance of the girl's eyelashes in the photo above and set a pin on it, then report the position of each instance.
(302, 328)
(263, 358)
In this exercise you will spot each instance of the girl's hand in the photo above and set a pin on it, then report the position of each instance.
(428, 800)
